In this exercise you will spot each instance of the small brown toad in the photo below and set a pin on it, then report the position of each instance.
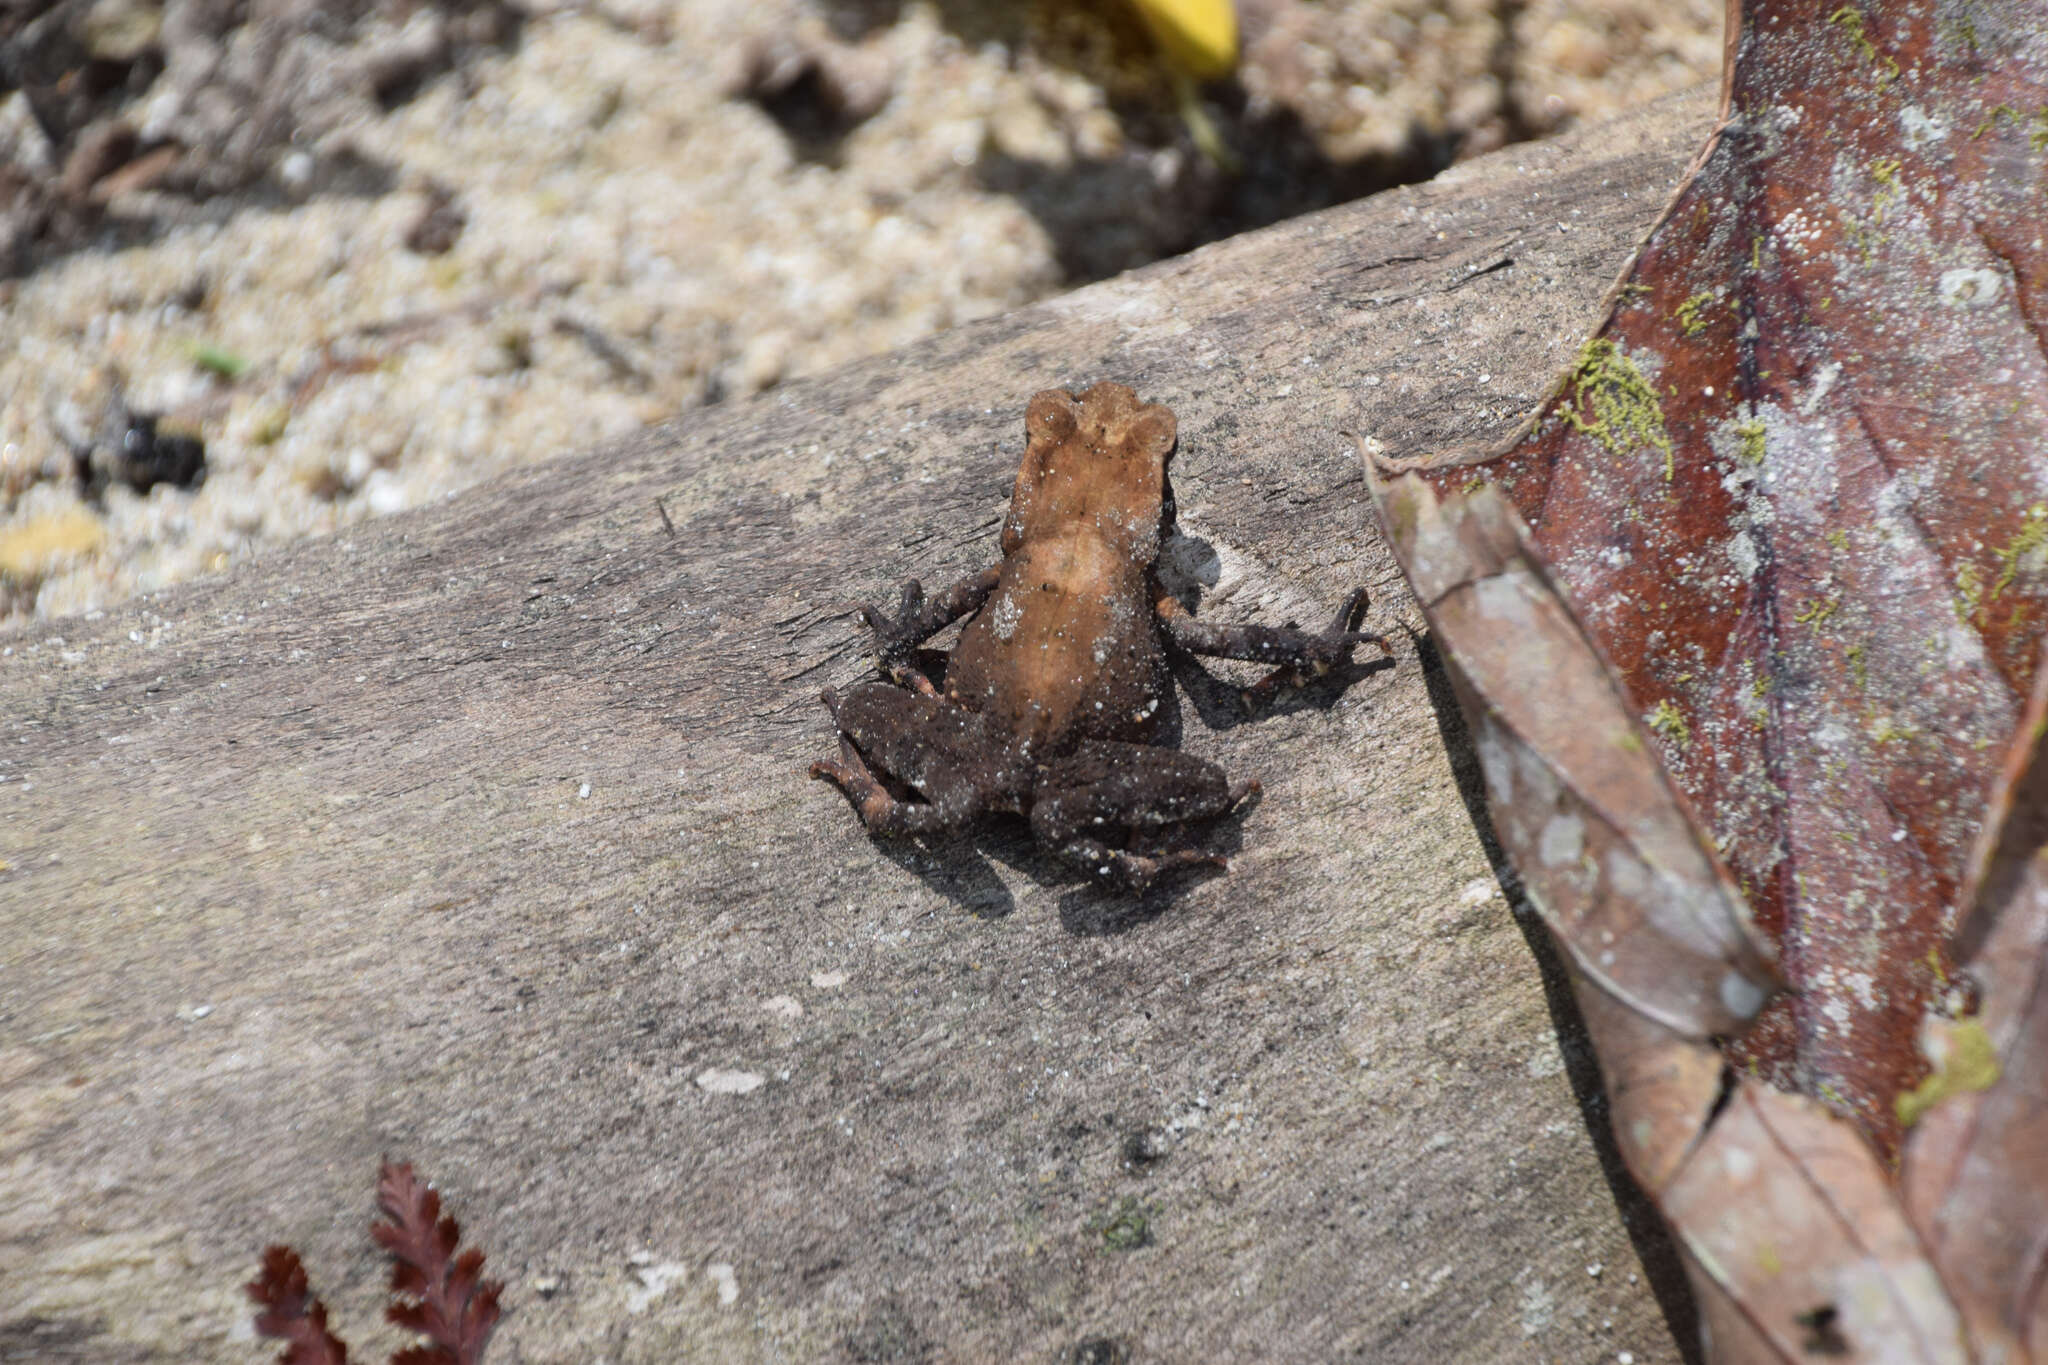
(1052, 695)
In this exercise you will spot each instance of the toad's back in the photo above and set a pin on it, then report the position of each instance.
(1066, 647)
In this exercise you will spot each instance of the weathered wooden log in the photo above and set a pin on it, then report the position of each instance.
(481, 837)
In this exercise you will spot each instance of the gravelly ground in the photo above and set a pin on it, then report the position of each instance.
(371, 253)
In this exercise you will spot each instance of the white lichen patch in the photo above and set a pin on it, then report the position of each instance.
(1970, 287)
(1628, 877)
(1694, 914)
(1741, 551)
(1535, 777)
(1918, 128)
(1799, 463)
(1564, 839)
(1771, 124)
(1504, 598)
(1496, 761)
(1863, 986)
(1819, 387)
(1836, 1010)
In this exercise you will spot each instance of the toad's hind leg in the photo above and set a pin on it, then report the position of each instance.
(1134, 872)
(1148, 791)
(940, 751)
(878, 810)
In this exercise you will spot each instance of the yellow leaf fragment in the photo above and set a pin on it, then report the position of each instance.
(1199, 36)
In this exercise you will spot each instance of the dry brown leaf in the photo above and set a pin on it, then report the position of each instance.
(1785, 523)
(1620, 873)
(1816, 1184)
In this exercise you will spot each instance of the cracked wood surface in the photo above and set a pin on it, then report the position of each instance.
(480, 837)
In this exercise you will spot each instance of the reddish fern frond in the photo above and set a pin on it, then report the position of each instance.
(450, 1303)
(290, 1312)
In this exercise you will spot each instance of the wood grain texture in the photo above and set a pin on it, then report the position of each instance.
(478, 836)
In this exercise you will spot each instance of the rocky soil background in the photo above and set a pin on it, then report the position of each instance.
(270, 267)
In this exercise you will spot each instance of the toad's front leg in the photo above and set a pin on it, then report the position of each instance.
(917, 618)
(1298, 655)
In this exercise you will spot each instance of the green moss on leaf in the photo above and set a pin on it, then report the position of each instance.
(1815, 611)
(1884, 170)
(1688, 316)
(1849, 18)
(1969, 592)
(2030, 544)
(1621, 410)
(1751, 434)
(1668, 721)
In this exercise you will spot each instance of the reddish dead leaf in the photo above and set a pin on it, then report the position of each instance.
(1787, 519)
(291, 1314)
(1786, 1215)
(1794, 485)
(1975, 1174)
(447, 1300)
(445, 1297)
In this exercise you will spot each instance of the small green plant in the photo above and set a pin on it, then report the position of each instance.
(1126, 1226)
(219, 360)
